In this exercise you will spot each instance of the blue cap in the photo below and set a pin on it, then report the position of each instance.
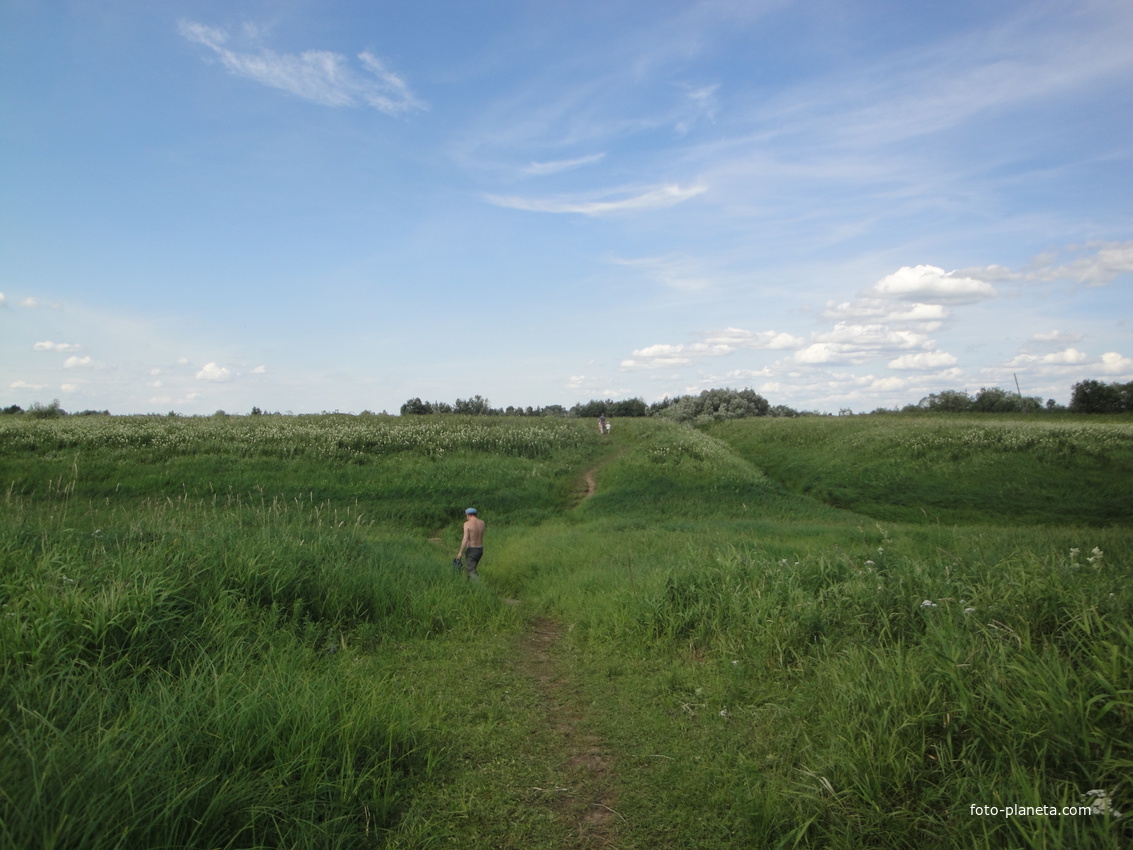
(470, 510)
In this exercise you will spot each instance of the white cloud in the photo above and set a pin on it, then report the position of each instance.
(767, 340)
(1113, 363)
(1102, 265)
(658, 197)
(30, 303)
(3, 302)
(260, 370)
(924, 360)
(1099, 268)
(55, 346)
(540, 169)
(24, 385)
(320, 76)
(1068, 357)
(1057, 337)
(68, 388)
(76, 362)
(929, 283)
(929, 316)
(215, 373)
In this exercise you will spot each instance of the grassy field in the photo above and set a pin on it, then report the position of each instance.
(244, 632)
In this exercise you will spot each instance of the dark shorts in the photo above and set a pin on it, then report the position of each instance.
(472, 556)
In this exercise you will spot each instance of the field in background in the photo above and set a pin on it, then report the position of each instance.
(245, 632)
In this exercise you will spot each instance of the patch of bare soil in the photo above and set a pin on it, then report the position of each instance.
(582, 796)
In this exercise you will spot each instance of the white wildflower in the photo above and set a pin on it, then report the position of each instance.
(1102, 803)
(1096, 557)
(869, 563)
(969, 610)
(928, 603)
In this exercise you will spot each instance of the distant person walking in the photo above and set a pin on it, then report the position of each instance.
(472, 544)
(603, 428)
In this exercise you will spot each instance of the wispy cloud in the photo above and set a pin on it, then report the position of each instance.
(655, 198)
(1097, 264)
(714, 344)
(540, 169)
(319, 76)
(48, 345)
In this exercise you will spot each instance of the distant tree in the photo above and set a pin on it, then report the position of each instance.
(628, 407)
(783, 410)
(997, 400)
(1095, 397)
(948, 401)
(12, 410)
(46, 411)
(415, 407)
(475, 406)
(713, 406)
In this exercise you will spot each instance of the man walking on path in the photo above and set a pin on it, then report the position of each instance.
(472, 544)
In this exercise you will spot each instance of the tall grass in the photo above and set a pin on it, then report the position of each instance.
(247, 638)
(952, 469)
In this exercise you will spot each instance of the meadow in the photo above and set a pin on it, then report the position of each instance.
(238, 632)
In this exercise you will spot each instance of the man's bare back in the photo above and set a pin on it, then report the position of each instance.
(473, 533)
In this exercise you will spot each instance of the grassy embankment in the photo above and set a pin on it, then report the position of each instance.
(237, 633)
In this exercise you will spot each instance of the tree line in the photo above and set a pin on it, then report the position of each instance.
(708, 406)
(1089, 396)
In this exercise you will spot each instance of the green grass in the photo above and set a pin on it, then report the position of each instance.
(245, 632)
(970, 469)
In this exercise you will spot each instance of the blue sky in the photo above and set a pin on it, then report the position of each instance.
(334, 205)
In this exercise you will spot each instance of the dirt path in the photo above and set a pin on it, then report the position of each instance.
(583, 796)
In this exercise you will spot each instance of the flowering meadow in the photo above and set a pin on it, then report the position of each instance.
(246, 632)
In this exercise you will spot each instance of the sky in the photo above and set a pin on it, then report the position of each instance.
(319, 205)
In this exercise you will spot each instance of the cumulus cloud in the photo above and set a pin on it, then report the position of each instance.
(714, 344)
(260, 370)
(1068, 357)
(658, 197)
(849, 343)
(76, 362)
(3, 302)
(213, 372)
(888, 311)
(47, 345)
(1113, 363)
(24, 385)
(930, 283)
(319, 76)
(768, 340)
(925, 360)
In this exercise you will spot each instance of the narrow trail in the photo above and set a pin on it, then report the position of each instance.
(583, 796)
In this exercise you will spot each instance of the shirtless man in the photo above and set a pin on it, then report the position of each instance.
(472, 544)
